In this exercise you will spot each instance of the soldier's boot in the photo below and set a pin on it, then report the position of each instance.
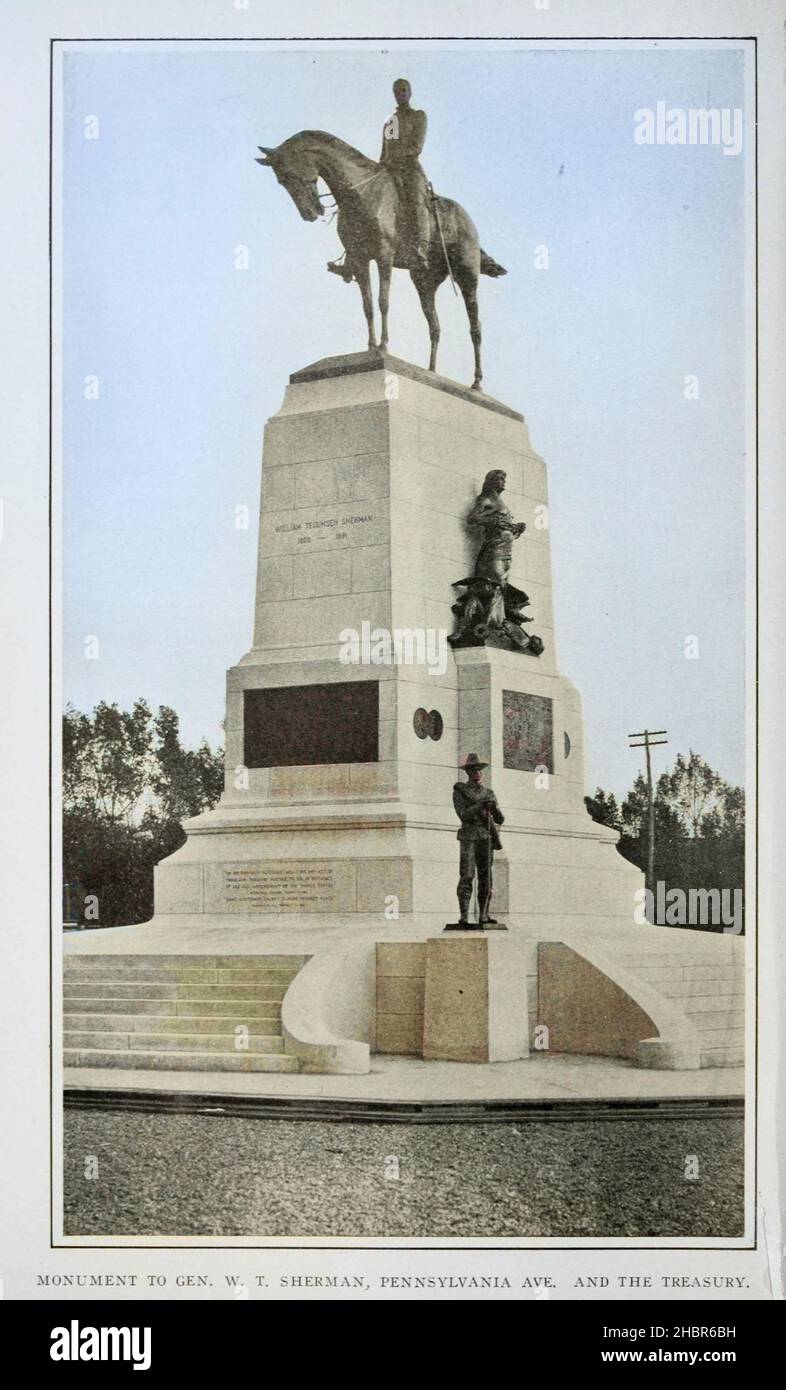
(464, 897)
(483, 913)
(422, 231)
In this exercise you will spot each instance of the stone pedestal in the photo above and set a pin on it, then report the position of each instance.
(341, 752)
(475, 1000)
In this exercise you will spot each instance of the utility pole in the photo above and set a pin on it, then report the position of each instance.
(650, 739)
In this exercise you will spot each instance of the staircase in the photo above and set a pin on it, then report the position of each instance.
(177, 1013)
(712, 996)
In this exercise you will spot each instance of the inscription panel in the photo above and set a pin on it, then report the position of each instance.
(527, 731)
(284, 886)
(333, 527)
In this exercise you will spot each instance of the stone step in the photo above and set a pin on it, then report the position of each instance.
(695, 950)
(179, 1061)
(722, 1056)
(122, 964)
(683, 989)
(716, 1018)
(166, 1042)
(721, 1037)
(710, 1003)
(113, 989)
(187, 975)
(165, 1008)
(678, 971)
(142, 1024)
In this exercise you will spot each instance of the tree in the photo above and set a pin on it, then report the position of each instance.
(128, 783)
(604, 809)
(106, 761)
(691, 789)
(699, 827)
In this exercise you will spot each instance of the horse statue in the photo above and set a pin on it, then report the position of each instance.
(372, 227)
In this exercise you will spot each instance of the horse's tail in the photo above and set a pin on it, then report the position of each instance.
(488, 266)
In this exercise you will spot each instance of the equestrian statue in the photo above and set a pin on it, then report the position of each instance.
(388, 213)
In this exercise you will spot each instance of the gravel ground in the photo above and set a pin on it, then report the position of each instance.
(163, 1174)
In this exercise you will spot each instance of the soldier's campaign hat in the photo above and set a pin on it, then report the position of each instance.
(472, 761)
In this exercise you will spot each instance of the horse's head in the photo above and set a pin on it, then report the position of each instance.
(297, 172)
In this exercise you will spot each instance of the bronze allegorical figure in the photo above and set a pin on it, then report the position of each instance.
(488, 607)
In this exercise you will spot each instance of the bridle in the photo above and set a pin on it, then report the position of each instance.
(350, 189)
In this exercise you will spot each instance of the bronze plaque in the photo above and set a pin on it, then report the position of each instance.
(527, 731)
(299, 725)
(420, 722)
(436, 725)
(428, 724)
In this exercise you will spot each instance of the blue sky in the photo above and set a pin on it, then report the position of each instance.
(645, 286)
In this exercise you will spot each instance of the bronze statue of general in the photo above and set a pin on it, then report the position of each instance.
(388, 213)
(403, 138)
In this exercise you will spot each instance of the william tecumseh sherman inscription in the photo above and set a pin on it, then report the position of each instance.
(316, 527)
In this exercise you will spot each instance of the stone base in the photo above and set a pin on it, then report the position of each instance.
(475, 1001)
(368, 472)
(475, 926)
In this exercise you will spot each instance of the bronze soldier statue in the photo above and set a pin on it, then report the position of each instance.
(477, 809)
(403, 137)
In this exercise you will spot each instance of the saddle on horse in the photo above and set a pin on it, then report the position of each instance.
(416, 223)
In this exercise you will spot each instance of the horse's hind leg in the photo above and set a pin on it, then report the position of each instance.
(363, 277)
(426, 290)
(468, 284)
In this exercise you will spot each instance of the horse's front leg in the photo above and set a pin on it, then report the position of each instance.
(385, 270)
(363, 277)
(426, 290)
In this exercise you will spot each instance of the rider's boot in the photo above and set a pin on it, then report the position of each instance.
(343, 270)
